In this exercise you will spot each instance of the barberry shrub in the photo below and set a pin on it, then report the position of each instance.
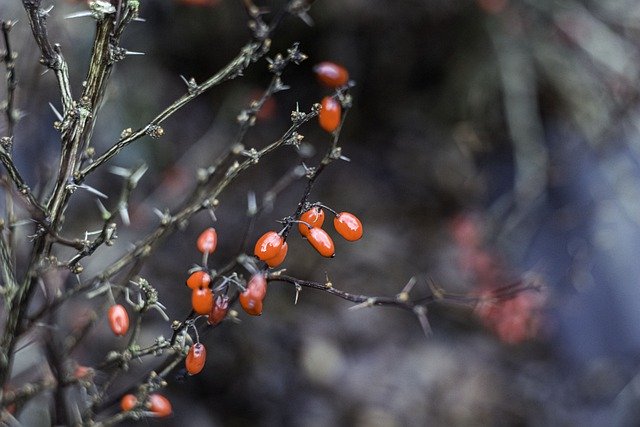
(48, 269)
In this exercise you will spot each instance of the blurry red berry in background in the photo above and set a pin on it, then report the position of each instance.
(269, 107)
(466, 231)
(331, 74)
(513, 320)
(159, 405)
(128, 402)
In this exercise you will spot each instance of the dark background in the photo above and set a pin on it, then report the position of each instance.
(519, 114)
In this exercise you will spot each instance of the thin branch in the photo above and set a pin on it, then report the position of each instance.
(51, 54)
(9, 59)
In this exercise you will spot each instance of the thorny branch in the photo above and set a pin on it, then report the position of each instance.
(51, 54)
(9, 59)
(76, 164)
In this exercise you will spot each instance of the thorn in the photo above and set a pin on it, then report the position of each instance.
(124, 214)
(158, 212)
(410, 284)
(368, 303)
(137, 174)
(298, 289)
(438, 292)
(345, 158)
(22, 222)
(120, 171)
(161, 311)
(252, 206)
(421, 312)
(56, 112)
(139, 20)
(403, 296)
(103, 211)
(80, 14)
(131, 52)
(93, 191)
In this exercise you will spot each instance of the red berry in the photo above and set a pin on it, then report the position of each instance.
(268, 246)
(207, 241)
(250, 304)
(128, 402)
(219, 310)
(196, 358)
(329, 116)
(314, 217)
(257, 285)
(159, 405)
(199, 279)
(83, 372)
(202, 300)
(331, 74)
(348, 226)
(118, 319)
(321, 242)
(251, 298)
(278, 259)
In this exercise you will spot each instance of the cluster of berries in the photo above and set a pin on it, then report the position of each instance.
(333, 76)
(157, 404)
(272, 247)
(216, 307)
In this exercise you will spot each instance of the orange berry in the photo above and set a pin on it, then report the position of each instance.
(278, 259)
(128, 402)
(219, 310)
(257, 285)
(321, 242)
(314, 217)
(250, 304)
(331, 74)
(118, 319)
(159, 405)
(329, 116)
(196, 358)
(202, 300)
(348, 226)
(199, 279)
(207, 241)
(251, 298)
(268, 246)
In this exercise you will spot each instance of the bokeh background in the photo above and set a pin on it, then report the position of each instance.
(492, 142)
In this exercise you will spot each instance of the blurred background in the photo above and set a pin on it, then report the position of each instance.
(492, 142)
